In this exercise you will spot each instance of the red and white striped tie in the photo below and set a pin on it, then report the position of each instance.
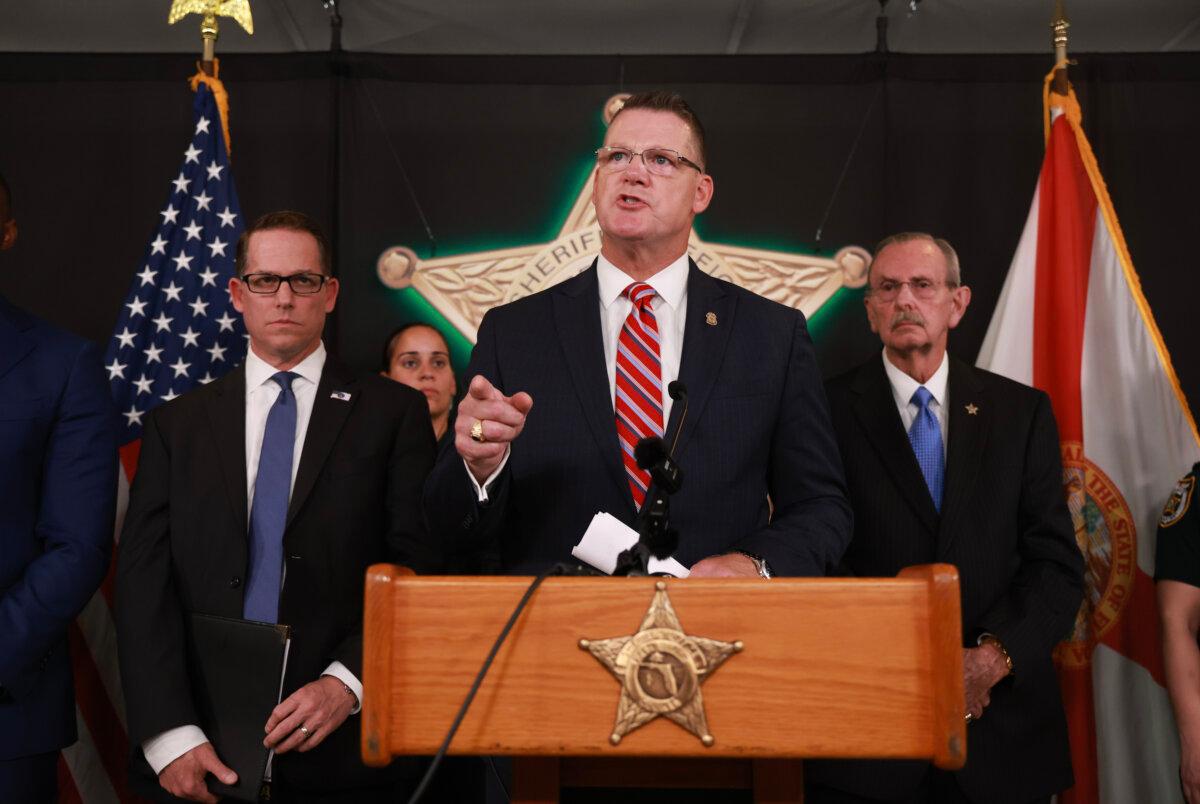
(639, 384)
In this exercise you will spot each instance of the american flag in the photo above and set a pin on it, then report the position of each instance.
(176, 329)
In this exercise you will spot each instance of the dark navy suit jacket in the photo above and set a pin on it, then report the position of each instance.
(58, 465)
(1004, 524)
(757, 425)
(184, 548)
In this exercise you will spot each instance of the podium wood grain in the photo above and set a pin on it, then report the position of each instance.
(831, 667)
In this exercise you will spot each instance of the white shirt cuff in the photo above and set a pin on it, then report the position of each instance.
(343, 674)
(164, 748)
(481, 489)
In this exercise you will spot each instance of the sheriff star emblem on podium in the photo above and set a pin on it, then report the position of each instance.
(660, 669)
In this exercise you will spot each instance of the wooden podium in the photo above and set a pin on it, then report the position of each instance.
(827, 668)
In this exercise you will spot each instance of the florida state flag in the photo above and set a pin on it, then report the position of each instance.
(1073, 322)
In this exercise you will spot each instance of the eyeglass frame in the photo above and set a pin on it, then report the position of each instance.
(875, 291)
(280, 279)
(642, 154)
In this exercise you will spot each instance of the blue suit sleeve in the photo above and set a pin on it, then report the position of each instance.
(74, 521)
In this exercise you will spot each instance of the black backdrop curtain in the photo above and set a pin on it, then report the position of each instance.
(493, 150)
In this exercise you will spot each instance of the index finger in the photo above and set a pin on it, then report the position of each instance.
(282, 710)
(480, 388)
(522, 401)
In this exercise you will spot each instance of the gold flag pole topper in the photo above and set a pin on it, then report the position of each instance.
(208, 71)
(211, 9)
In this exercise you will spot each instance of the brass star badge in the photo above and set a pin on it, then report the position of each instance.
(972, 409)
(660, 669)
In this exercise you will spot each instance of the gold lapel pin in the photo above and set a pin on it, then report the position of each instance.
(971, 409)
(710, 319)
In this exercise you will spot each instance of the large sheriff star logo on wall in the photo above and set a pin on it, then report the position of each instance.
(466, 286)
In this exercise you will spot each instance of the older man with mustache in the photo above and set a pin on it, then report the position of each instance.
(949, 463)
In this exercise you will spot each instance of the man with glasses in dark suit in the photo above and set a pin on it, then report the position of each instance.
(567, 381)
(949, 463)
(265, 495)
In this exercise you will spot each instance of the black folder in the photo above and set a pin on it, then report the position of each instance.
(237, 677)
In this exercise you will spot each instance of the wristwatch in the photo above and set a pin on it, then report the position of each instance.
(993, 640)
(760, 564)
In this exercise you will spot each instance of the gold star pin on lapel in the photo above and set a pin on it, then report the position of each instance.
(971, 409)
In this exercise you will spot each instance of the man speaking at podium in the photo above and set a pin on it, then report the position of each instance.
(949, 463)
(567, 381)
(265, 496)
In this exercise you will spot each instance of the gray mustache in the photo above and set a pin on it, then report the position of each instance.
(907, 317)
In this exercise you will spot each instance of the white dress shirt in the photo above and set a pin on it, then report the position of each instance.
(904, 386)
(261, 393)
(670, 313)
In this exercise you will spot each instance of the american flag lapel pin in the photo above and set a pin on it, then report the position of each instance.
(343, 396)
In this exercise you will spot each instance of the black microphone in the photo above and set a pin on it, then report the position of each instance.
(656, 537)
(677, 391)
(651, 455)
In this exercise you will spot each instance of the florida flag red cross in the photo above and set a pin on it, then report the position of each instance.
(1072, 321)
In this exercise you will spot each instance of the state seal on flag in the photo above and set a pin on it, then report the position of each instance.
(1105, 532)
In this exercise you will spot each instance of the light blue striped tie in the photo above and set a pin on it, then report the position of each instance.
(925, 435)
(268, 515)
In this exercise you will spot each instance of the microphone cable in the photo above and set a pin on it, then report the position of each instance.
(557, 569)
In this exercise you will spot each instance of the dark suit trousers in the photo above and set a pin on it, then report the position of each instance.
(938, 787)
(32, 779)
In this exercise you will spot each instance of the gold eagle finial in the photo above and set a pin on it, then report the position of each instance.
(211, 9)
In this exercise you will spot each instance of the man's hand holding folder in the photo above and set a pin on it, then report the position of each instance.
(309, 715)
(184, 777)
(319, 706)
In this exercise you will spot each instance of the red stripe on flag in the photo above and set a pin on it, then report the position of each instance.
(112, 744)
(129, 457)
(1137, 635)
(1078, 696)
(68, 792)
(1066, 223)
(108, 585)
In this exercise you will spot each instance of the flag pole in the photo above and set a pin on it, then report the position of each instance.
(208, 36)
(1056, 82)
(1059, 26)
(208, 67)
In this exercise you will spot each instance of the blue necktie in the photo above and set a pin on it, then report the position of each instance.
(925, 435)
(272, 489)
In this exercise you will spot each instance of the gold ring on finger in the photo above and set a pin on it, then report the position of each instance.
(304, 730)
(477, 431)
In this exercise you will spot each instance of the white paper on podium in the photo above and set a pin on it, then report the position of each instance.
(607, 537)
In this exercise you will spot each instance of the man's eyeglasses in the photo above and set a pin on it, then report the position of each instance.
(659, 161)
(302, 284)
(923, 289)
